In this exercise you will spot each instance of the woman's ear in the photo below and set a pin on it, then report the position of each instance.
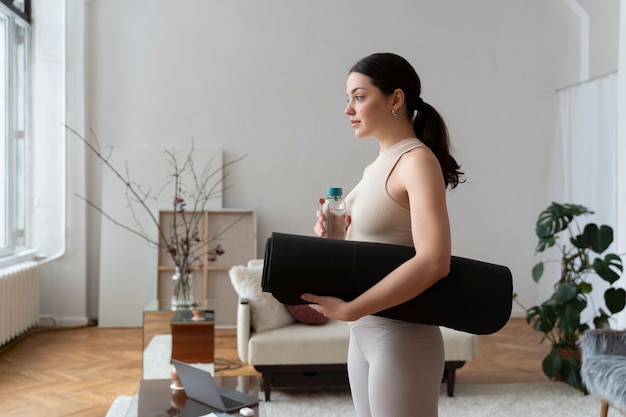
(398, 98)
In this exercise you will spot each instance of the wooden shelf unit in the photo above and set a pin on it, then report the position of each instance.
(235, 231)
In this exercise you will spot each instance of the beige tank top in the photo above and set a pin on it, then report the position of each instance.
(375, 217)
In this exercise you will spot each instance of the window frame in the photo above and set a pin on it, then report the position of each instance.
(20, 8)
(16, 140)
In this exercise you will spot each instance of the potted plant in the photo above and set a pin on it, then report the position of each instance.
(582, 256)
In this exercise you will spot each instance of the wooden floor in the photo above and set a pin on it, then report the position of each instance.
(79, 372)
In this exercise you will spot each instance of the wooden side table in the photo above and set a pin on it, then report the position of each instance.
(193, 341)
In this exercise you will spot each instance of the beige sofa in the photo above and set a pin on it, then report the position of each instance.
(289, 353)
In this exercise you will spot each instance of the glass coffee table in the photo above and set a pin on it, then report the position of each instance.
(156, 398)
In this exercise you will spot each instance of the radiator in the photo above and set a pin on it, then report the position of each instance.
(19, 300)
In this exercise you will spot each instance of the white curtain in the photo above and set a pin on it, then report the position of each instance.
(621, 145)
(588, 139)
(587, 153)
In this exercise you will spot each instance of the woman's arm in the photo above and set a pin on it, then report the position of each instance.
(417, 184)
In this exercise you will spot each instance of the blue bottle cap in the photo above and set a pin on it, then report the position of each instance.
(334, 192)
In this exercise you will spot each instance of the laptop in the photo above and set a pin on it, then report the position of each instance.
(200, 386)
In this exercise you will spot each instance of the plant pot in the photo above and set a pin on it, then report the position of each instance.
(569, 372)
(566, 354)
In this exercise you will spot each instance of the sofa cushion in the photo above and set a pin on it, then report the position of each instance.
(302, 313)
(306, 315)
(266, 313)
(325, 344)
(458, 345)
(253, 263)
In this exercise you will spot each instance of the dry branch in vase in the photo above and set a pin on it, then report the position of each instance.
(183, 237)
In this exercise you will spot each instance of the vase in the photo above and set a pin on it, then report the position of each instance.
(183, 289)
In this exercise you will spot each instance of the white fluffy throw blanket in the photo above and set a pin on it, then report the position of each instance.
(604, 365)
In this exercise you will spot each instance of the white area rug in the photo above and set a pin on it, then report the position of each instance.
(506, 400)
(119, 406)
(156, 359)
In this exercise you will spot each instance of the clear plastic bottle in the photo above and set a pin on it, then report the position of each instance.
(334, 209)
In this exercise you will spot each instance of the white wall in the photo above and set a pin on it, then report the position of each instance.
(58, 84)
(267, 79)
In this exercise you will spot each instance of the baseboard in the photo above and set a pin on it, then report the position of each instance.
(62, 321)
(225, 327)
(518, 313)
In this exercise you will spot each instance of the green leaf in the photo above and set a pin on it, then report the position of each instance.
(584, 240)
(552, 364)
(570, 372)
(615, 299)
(542, 319)
(601, 321)
(608, 268)
(553, 220)
(566, 292)
(545, 242)
(594, 238)
(575, 210)
(570, 319)
(538, 271)
(585, 287)
(603, 239)
(583, 328)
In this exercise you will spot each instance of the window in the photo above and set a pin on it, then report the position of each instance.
(15, 149)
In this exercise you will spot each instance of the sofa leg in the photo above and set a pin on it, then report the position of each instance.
(450, 380)
(449, 375)
(267, 385)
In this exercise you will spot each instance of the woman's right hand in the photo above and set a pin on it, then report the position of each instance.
(320, 229)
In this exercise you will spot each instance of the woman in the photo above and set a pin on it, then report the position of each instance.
(395, 367)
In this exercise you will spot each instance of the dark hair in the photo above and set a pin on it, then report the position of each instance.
(389, 72)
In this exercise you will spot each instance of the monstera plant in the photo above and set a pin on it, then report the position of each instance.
(582, 260)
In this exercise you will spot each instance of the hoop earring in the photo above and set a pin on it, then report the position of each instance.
(394, 113)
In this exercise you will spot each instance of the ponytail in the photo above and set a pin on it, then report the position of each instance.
(431, 129)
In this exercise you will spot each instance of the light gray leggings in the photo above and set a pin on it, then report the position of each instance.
(395, 367)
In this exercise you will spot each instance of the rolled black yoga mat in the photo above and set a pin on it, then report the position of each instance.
(476, 297)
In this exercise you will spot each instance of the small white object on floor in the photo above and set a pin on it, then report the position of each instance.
(246, 411)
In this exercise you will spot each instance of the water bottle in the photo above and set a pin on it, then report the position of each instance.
(334, 209)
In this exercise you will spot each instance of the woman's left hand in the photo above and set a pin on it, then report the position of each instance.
(330, 306)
